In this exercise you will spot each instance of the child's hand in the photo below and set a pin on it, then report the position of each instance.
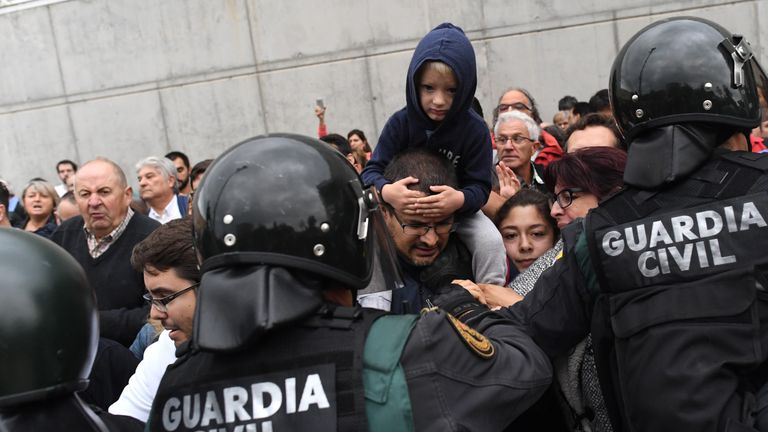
(400, 197)
(509, 184)
(442, 205)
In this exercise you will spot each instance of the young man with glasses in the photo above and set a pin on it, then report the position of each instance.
(171, 274)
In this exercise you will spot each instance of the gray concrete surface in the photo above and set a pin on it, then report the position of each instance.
(130, 78)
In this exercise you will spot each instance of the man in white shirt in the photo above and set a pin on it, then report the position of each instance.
(157, 187)
(171, 274)
(66, 169)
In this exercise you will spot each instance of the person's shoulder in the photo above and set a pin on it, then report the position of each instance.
(66, 228)
(438, 332)
(143, 224)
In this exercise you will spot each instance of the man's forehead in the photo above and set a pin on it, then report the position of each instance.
(97, 176)
(515, 96)
(514, 125)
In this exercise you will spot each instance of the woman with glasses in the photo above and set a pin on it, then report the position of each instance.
(580, 180)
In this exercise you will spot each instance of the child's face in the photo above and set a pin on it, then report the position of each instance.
(527, 235)
(436, 92)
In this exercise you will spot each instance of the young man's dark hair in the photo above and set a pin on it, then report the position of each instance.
(65, 162)
(168, 247)
(431, 167)
(199, 169)
(582, 109)
(595, 119)
(338, 142)
(566, 103)
(600, 101)
(178, 155)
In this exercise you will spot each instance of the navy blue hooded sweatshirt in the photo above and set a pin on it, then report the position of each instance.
(462, 136)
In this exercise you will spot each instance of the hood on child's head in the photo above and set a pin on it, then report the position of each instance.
(446, 43)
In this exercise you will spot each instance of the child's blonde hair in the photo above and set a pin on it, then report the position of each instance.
(437, 66)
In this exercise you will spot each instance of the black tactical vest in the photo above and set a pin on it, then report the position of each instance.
(307, 377)
(680, 296)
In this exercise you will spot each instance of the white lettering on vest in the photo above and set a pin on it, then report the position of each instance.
(171, 415)
(683, 236)
(313, 394)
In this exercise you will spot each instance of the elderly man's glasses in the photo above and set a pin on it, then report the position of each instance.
(422, 229)
(517, 106)
(565, 197)
(162, 303)
(516, 140)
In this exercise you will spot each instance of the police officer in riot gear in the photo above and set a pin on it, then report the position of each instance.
(48, 332)
(669, 274)
(286, 235)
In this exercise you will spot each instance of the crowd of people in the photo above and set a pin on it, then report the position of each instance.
(595, 273)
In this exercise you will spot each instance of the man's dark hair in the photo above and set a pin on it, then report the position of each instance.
(5, 196)
(429, 166)
(168, 247)
(566, 103)
(557, 133)
(178, 155)
(69, 196)
(595, 119)
(477, 107)
(64, 162)
(600, 101)
(338, 142)
(200, 168)
(582, 109)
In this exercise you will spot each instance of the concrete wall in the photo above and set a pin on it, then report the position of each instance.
(131, 78)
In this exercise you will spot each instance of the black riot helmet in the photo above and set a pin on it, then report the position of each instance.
(48, 321)
(285, 200)
(274, 218)
(685, 70)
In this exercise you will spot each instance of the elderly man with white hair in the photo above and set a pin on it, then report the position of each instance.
(157, 187)
(517, 138)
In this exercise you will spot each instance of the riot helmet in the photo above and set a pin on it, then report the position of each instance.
(274, 217)
(685, 70)
(48, 321)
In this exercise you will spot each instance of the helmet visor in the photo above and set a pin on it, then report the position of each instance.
(387, 275)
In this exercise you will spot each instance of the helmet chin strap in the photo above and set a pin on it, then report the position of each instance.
(666, 154)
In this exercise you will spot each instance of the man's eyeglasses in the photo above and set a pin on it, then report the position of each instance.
(516, 140)
(422, 229)
(517, 106)
(162, 303)
(565, 197)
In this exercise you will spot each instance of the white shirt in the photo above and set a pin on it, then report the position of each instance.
(136, 399)
(169, 213)
(61, 189)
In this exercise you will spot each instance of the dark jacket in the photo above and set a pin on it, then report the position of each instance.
(681, 308)
(462, 136)
(118, 287)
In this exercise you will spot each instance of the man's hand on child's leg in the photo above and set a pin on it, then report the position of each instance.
(401, 198)
(442, 205)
